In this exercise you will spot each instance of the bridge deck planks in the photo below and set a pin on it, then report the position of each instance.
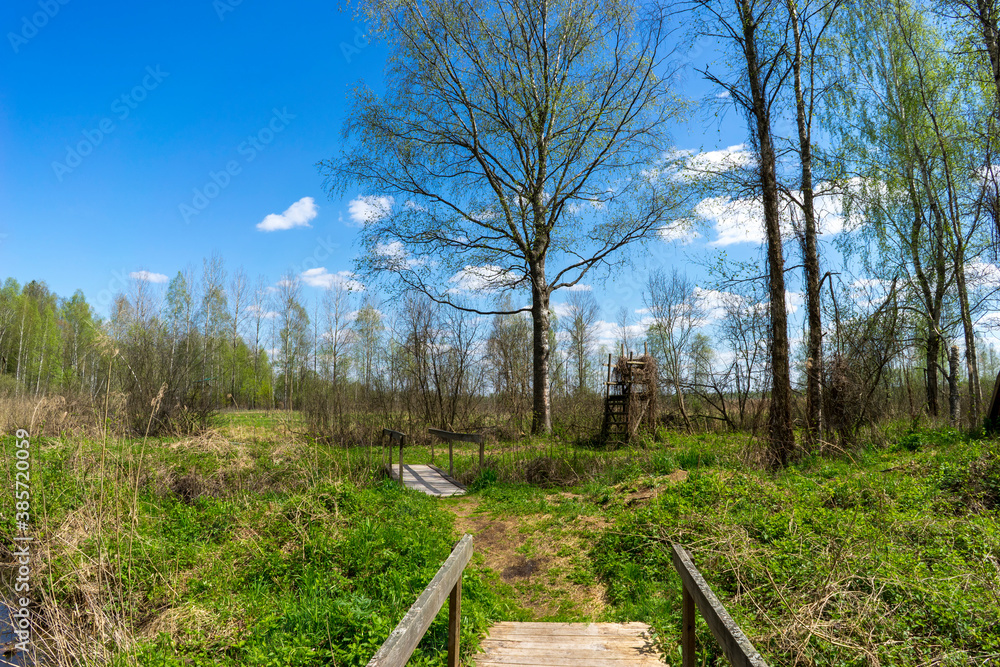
(568, 645)
(428, 479)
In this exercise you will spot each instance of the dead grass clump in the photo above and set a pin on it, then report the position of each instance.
(190, 487)
(189, 623)
(47, 415)
(549, 471)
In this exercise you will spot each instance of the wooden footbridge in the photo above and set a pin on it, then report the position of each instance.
(430, 479)
(563, 644)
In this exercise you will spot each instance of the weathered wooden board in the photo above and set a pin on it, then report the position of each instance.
(568, 645)
(535, 628)
(734, 643)
(428, 479)
(401, 643)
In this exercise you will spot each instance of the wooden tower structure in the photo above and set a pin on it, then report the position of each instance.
(629, 396)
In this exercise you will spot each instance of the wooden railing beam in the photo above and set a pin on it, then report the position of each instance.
(450, 437)
(734, 643)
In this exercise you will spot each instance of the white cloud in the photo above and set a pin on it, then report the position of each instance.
(982, 274)
(725, 159)
(297, 215)
(679, 232)
(736, 220)
(148, 276)
(742, 220)
(793, 300)
(264, 313)
(366, 208)
(320, 277)
(579, 287)
(714, 303)
(396, 257)
(478, 279)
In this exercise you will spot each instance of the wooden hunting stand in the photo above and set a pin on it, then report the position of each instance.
(629, 396)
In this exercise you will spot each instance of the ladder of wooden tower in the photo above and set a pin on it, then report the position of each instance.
(615, 407)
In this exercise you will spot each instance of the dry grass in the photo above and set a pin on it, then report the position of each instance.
(48, 416)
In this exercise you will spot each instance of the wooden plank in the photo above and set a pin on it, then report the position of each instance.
(734, 643)
(585, 656)
(564, 659)
(427, 479)
(688, 658)
(401, 643)
(577, 642)
(456, 437)
(537, 644)
(574, 629)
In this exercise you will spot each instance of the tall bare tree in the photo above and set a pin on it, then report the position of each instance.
(809, 21)
(508, 150)
(677, 313)
(752, 31)
(582, 315)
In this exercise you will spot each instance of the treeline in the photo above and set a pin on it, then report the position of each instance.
(169, 355)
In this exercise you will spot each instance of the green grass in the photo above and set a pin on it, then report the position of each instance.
(189, 552)
(253, 546)
(890, 558)
(333, 573)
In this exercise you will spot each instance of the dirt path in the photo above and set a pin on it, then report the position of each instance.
(543, 557)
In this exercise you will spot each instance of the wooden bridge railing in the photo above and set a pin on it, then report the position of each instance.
(734, 643)
(401, 643)
(395, 437)
(459, 437)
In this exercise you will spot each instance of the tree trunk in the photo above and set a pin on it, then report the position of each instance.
(782, 438)
(971, 360)
(987, 16)
(954, 397)
(933, 350)
(541, 416)
(814, 346)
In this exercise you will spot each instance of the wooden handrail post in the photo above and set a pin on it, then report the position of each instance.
(687, 629)
(454, 623)
(395, 436)
(460, 437)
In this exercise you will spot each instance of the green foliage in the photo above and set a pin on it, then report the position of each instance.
(485, 479)
(892, 559)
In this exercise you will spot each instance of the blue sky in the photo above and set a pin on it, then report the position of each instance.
(148, 136)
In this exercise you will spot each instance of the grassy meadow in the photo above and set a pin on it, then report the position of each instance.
(250, 544)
